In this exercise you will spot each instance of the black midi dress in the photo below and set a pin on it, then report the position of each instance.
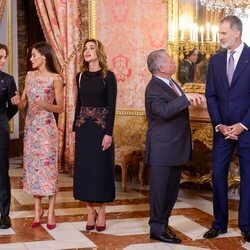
(94, 118)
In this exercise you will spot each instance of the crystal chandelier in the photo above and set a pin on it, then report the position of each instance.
(235, 7)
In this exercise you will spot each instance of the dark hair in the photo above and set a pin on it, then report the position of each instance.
(234, 21)
(190, 53)
(3, 46)
(101, 56)
(46, 50)
(155, 59)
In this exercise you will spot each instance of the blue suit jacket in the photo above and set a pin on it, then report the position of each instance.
(229, 105)
(7, 109)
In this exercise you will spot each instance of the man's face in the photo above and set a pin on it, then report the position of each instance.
(3, 57)
(193, 57)
(229, 38)
(168, 66)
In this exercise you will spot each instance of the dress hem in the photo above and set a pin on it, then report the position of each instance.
(85, 200)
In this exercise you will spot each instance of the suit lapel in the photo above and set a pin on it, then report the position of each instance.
(170, 91)
(241, 65)
(164, 86)
(1, 78)
(223, 70)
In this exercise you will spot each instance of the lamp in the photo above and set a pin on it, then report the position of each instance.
(236, 7)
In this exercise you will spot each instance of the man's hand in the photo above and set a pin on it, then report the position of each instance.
(231, 132)
(195, 99)
(16, 99)
(234, 131)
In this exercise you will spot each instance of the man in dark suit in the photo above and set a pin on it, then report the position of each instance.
(187, 67)
(228, 99)
(7, 111)
(168, 142)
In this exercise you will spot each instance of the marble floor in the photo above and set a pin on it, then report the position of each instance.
(127, 221)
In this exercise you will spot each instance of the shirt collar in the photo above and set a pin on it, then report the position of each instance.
(238, 49)
(166, 80)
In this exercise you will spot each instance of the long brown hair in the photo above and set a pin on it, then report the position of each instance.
(101, 56)
(46, 50)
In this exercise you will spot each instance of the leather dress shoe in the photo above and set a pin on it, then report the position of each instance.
(165, 237)
(170, 231)
(5, 222)
(246, 236)
(212, 233)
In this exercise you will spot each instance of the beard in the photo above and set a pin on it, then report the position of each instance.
(229, 44)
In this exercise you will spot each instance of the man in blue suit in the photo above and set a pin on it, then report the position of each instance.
(228, 100)
(7, 111)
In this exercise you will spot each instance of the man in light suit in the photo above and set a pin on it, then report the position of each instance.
(7, 111)
(228, 99)
(168, 141)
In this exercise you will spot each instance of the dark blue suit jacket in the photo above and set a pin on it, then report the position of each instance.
(168, 140)
(229, 105)
(7, 109)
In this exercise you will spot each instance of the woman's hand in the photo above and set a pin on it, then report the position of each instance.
(16, 98)
(106, 142)
(38, 106)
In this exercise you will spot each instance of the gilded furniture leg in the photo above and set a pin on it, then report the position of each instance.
(141, 171)
(124, 178)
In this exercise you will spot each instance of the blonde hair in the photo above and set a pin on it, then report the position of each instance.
(101, 56)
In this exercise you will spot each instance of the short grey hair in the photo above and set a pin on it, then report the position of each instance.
(155, 59)
(234, 21)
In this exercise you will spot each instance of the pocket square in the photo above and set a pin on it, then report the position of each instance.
(3, 88)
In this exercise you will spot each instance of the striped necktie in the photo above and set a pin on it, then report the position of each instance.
(173, 87)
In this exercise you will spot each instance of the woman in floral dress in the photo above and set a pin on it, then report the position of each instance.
(42, 87)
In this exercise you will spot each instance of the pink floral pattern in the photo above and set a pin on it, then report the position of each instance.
(120, 10)
(40, 139)
(120, 67)
(98, 114)
(130, 30)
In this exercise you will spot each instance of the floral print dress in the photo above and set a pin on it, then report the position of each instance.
(40, 138)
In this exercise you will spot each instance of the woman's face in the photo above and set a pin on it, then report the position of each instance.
(37, 60)
(90, 52)
(2, 58)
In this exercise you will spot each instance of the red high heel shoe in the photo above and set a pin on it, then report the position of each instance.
(91, 227)
(51, 226)
(100, 228)
(37, 223)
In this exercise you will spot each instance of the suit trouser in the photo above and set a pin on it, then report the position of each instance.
(164, 187)
(4, 182)
(222, 156)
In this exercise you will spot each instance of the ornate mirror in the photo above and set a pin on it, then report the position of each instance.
(192, 38)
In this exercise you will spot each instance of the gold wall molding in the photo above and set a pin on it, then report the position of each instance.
(173, 19)
(130, 112)
(92, 18)
(2, 6)
(10, 49)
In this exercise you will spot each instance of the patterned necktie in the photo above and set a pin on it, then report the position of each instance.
(230, 67)
(173, 87)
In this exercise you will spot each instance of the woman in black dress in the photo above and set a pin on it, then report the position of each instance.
(93, 126)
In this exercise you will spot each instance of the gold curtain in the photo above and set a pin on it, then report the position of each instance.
(2, 5)
(61, 25)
